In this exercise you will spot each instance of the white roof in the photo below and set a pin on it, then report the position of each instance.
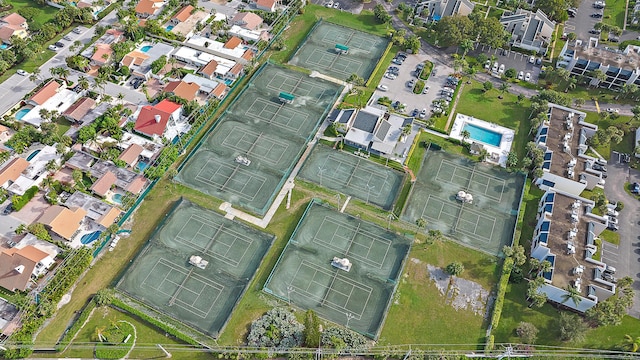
(244, 33)
(60, 102)
(216, 46)
(194, 56)
(558, 295)
(205, 84)
(358, 136)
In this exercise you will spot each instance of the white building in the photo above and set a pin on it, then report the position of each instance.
(529, 30)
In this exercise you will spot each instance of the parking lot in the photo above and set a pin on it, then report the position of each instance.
(582, 22)
(512, 60)
(398, 89)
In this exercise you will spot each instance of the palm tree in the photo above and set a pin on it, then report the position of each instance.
(465, 135)
(573, 294)
(466, 45)
(503, 88)
(120, 97)
(571, 84)
(483, 154)
(598, 75)
(83, 82)
(35, 75)
(634, 344)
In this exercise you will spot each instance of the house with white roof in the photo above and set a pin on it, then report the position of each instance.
(249, 35)
(233, 49)
(529, 30)
(375, 130)
(36, 171)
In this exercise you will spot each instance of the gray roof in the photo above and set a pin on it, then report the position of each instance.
(94, 207)
(344, 116)
(80, 160)
(383, 129)
(365, 121)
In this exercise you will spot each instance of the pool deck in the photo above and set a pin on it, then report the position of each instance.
(497, 155)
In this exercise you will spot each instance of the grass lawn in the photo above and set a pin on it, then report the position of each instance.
(505, 112)
(43, 13)
(146, 337)
(421, 314)
(610, 237)
(558, 44)
(63, 125)
(627, 143)
(614, 13)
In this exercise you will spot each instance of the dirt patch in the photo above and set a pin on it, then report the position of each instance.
(460, 293)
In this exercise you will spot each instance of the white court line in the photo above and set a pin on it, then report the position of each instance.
(242, 192)
(333, 163)
(473, 175)
(261, 140)
(296, 117)
(317, 54)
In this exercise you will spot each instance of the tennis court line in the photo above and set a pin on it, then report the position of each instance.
(459, 208)
(472, 178)
(246, 141)
(223, 186)
(272, 112)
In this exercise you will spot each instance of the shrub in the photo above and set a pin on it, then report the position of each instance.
(619, 206)
(278, 328)
(311, 330)
(341, 338)
(111, 345)
(572, 327)
(455, 268)
(527, 332)
(20, 201)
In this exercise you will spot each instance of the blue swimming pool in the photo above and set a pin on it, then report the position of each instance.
(21, 113)
(170, 27)
(146, 48)
(91, 237)
(117, 198)
(142, 165)
(483, 135)
(4, 46)
(32, 155)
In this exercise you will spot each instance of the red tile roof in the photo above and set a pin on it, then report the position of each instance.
(247, 20)
(269, 4)
(232, 43)
(45, 93)
(248, 55)
(130, 156)
(137, 185)
(210, 68)
(146, 7)
(103, 185)
(12, 170)
(80, 108)
(101, 50)
(236, 69)
(219, 90)
(185, 90)
(14, 19)
(153, 120)
(184, 13)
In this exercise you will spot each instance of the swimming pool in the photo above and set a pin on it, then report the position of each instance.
(4, 46)
(146, 48)
(170, 27)
(91, 237)
(21, 113)
(483, 135)
(32, 155)
(142, 165)
(117, 198)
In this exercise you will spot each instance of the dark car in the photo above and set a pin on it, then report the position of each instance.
(8, 209)
(137, 83)
(59, 44)
(635, 188)
(596, 15)
(599, 167)
(612, 227)
(594, 31)
(625, 158)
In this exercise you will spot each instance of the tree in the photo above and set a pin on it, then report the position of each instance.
(571, 36)
(158, 64)
(573, 294)
(77, 178)
(355, 79)
(521, 98)
(421, 223)
(455, 268)
(311, 330)
(413, 43)
(278, 328)
(632, 343)
(527, 332)
(465, 134)
(512, 159)
(104, 297)
(598, 75)
(490, 32)
(487, 85)
(39, 231)
(504, 87)
(20, 229)
(381, 14)
(572, 327)
(452, 30)
(510, 73)
(537, 298)
(578, 102)
(556, 10)
(459, 64)
(466, 45)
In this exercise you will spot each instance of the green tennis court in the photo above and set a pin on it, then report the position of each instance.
(247, 156)
(318, 52)
(359, 298)
(353, 175)
(162, 277)
(488, 222)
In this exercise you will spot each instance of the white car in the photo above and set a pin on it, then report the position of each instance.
(501, 69)
(390, 76)
(330, 4)
(495, 67)
(423, 114)
(336, 5)
(613, 110)
(22, 72)
(521, 75)
(532, 59)
(383, 87)
(487, 64)
(53, 48)
(527, 77)
(426, 90)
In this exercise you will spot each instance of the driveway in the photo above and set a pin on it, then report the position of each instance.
(625, 257)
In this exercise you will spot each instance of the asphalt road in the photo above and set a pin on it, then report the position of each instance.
(626, 256)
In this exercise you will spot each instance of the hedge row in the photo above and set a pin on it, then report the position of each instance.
(73, 330)
(169, 329)
(20, 201)
(507, 266)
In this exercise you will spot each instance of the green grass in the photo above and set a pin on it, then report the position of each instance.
(627, 189)
(421, 314)
(614, 13)
(63, 125)
(44, 13)
(610, 237)
(426, 71)
(624, 122)
(558, 44)
(495, 12)
(147, 337)
(505, 112)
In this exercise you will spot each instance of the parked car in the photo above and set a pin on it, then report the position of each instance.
(527, 76)
(59, 44)
(425, 90)
(330, 4)
(396, 61)
(411, 83)
(67, 37)
(538, 61)
(625, 158)
(383, 87)
(596, 15)
(391, 76)
(532, 59)
(403, 56)
(599, 167)
(612, 212)
(495, 67)
(610, 269)
(77, 30)
(635, 188)
(8, 209)
(613, 110)
(423, 114)
(53, 48)
(612, 227)
(487, 65)
(609, 277)
(22, 72)
(594, 31)
(415, 112)
(521, 75)
(336, 5)
(393, 69)
(612, 220)
(501, 69)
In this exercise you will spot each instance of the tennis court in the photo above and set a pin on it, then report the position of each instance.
(488, 222)
(358, 298)
(162, 277)
(353, 175)
(260, 128)
(318, 51)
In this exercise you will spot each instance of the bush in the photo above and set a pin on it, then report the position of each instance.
(311, 329)
(455, 268)
(20, 201)
(527, 332)
(619, 206)
(572, 327)
(341, 338)
(278, 328)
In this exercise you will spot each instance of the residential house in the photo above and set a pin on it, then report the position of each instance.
(265, 5)
(563, 140)
(182, 89)
(98, 211)
(13, 25)
(5, 134)
(9, 319)
(148, 8)
(103, 185)
(79, 109)
(139, 60)
(153, 120)
(434, 10)
(566, 236)
(102, 55)
(126, 180)
(18, 267)
(247, 20)
(44, 93)
(62, 221)
(12, 171)
(131, 155)
(529, 30)
(233, 49)
(185, 21)
(52, 98)
(620, 67)
(208, 87)
(251, 36)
